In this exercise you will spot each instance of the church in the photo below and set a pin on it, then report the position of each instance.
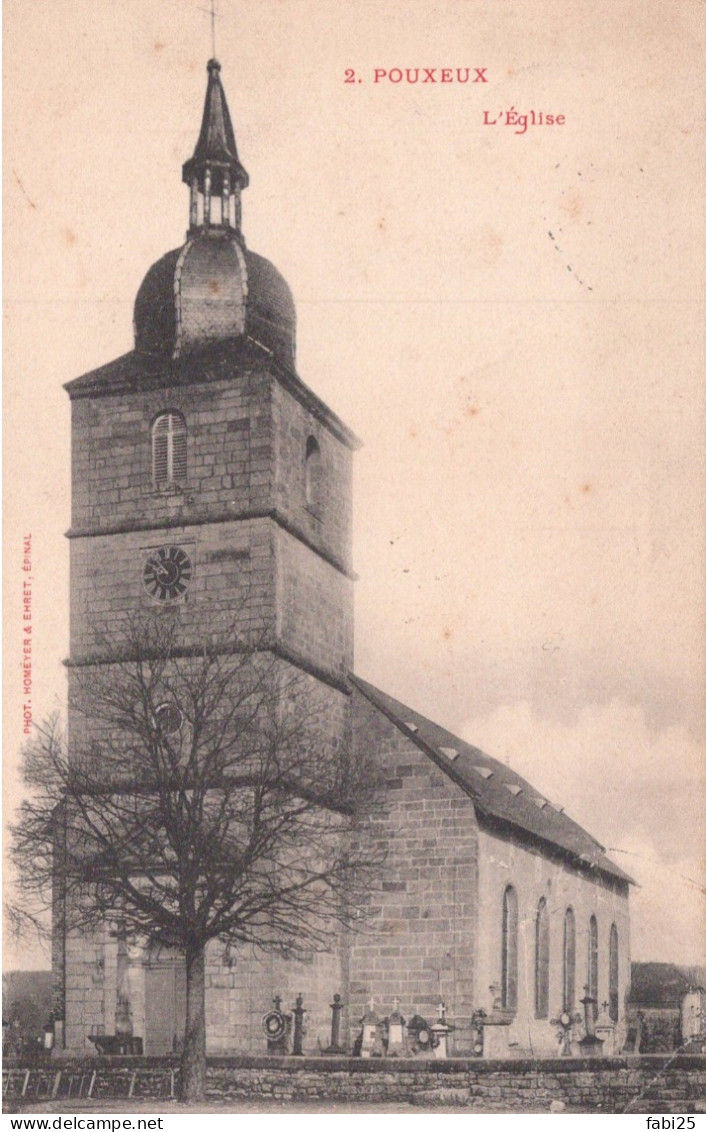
(203, 468)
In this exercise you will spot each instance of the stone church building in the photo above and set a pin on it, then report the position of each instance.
(202, 462)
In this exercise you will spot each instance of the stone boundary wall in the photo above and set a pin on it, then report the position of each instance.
(641, 1084)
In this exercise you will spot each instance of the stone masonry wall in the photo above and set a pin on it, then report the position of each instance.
(420, 946)
(616, 1085)
(645, 1085)
(229, 452)
(248, 570)
(240, 986)
(314, 607)
(233, 579)
(327, 520)
(86, 1002)
(239, 995)
(246, 451)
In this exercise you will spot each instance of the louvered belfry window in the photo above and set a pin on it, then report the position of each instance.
(169, 451)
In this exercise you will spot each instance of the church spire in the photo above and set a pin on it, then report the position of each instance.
(214, 173)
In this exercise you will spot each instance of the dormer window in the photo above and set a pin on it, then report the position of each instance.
(168, 451)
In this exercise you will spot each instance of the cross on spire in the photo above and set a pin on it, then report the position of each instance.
(211, 11)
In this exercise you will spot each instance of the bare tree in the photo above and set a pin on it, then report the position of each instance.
(206, 802)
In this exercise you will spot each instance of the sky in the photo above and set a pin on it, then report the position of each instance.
(511, 321)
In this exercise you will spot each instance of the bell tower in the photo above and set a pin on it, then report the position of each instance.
(208, 482)
(202, 466)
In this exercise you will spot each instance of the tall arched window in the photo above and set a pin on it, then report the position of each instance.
(541, 965)
(312, 474)
(509, 950)
(593, 963)
(613, 978)
(569, 995)
(169, 450)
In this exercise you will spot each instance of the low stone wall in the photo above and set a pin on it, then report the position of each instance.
(586, 1085)
(639, 1084)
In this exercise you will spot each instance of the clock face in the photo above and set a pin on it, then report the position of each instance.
(169, 718)
(167, 573)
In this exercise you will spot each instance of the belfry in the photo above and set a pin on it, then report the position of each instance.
(212, 488)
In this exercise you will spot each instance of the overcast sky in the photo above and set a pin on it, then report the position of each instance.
(511, 322)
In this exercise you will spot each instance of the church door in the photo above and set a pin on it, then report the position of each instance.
(165, 1004)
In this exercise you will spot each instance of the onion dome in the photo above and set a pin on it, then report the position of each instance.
(213, 289)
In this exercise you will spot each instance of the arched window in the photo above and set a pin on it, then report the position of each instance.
(169, 450)
(613, 979)
(569, 995)
(509, 950)
(593, 963)
(541, 964)
(312, 474)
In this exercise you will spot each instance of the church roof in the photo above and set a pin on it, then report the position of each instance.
(498, 793)
(210, 290)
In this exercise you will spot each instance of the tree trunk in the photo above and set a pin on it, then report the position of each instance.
(193, 1061)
